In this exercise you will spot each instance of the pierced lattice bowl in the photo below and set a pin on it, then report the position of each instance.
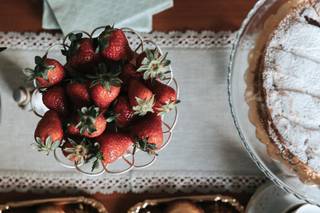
(133, 158)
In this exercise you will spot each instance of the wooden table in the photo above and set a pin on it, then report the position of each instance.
(216, 15)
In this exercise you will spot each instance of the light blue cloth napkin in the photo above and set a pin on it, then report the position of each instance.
(87, 15)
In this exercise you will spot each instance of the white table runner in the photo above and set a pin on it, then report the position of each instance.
(204, 155)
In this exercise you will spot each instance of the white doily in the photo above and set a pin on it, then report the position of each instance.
(153, 182)
(188, 39)
(140, 181)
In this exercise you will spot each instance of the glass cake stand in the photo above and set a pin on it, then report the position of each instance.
(245, 41)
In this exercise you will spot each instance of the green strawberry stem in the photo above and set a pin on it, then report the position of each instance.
(87, 119)
(154, 65)
(41, 69)
(98, 157)
(145, 146)
(85, 151)
(105, 76)
(167, 107)
(103, 39)
(144, 106)
(74, 46)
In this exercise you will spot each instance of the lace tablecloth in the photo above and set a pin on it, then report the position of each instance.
(205, 154)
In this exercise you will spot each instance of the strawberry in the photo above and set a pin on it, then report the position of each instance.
(129, 71)
(123, 111)
(102, 96)
(105, 86)
(82, 151)
(113, 44)
(49, 133)
(165, 97)
(141, 97)
(47, 72)
(153, 65)
(75, 152)
(147, 133)
(55, 99)
(113, 146)
(89, 122)
(130, 53)
(81, 51)
(78, 93)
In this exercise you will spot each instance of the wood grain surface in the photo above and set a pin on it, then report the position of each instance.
(216, 15)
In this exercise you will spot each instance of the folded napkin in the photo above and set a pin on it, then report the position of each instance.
(87, 15)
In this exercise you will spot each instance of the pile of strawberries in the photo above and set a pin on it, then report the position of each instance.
(104, 100)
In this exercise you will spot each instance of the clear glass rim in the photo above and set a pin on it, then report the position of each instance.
(273, 177)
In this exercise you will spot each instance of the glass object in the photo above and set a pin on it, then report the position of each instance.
(245, 41)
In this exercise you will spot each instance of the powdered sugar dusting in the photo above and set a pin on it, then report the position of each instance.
(292, 82)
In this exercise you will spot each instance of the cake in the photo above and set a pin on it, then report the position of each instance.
(283, 87)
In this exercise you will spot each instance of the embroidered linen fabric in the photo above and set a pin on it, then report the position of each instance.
(81, 14)
(205, 154)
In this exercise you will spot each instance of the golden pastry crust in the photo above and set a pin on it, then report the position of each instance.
(50, 209)
(259, 115)
(183, 207)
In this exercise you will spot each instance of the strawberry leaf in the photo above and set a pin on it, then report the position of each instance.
(95, 164)
(29, 73)
(38, 60)
(106, 85)
(78, 152)
(74, 46)
(46, 146)
(87, 119)
(106, 76)
(145, 146)
(167, 107)
(103, 38)
(55, 145)
(144, 106)
(48, 141)
(154, 65)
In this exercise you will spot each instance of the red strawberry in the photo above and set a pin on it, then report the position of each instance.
(130, 53)
(105, 86)
(153, 65)
(140, 97)
(72, 129)
(47, 72)
(55, 99)
(113, 44)
(123, 111)
(49, 133)
(113, 146)
(129, 71)
(102, 96)
(148, 133)
(80, 52)
(165, 96)
(78, 93)
(89, 122)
